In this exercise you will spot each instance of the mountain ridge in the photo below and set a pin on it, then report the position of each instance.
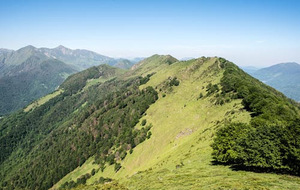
(150, 127)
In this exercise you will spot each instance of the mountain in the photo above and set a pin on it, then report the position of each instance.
(4, 51)
(3, 55)
(123, 63)
(80, 59)
(284, 77)
(83, 59)
(164, 124)
(27, 75)
(30, 73)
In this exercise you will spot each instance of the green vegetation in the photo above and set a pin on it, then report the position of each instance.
(72, 137)
(183, 130)
(108, 185)
(270, 142)
(42, 100)
(155, 127)
(76, 82)
(34, 78)
(152, 65)
(144, 121)
(211, 89)
(31, 73)
(200, 96)
(174, 82)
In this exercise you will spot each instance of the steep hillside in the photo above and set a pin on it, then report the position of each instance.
(285, 77)
(157, 126)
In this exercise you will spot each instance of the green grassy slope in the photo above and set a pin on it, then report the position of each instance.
(178, 154)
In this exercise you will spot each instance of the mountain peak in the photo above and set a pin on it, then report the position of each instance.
(61, 47)
(29, 47)
(154, 60)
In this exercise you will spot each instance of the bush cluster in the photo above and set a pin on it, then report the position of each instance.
(271, 141)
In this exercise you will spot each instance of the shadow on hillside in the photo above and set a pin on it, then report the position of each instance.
(236, 167)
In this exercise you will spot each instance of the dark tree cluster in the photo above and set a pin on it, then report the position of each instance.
(210, 89)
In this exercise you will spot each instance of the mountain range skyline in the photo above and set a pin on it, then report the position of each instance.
(135, 59)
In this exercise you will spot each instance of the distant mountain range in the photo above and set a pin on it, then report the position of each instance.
(30, 73)
(285, 77)
(84, 59)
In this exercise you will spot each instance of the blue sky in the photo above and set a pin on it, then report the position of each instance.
(247, 32)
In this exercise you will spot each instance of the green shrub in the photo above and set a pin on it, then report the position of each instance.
(117, 167)
(200, 96)
(211, 89)
(174, 82)
(144, 121)
(271, 141)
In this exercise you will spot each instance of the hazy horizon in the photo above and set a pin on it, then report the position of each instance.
(249, 33)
